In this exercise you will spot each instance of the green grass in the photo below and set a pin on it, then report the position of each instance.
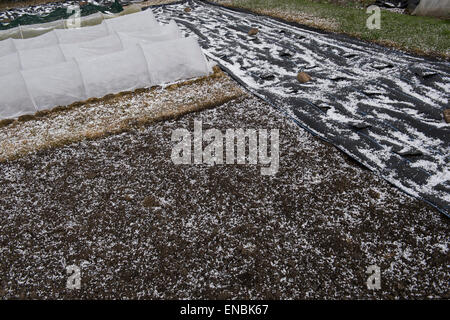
(422, 35)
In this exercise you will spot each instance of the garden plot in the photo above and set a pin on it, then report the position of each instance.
(141, 227)
(122, 54)
(93, 185)
(113, 114)
(382, 107)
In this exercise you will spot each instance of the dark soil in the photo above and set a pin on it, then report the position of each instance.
(141, 227)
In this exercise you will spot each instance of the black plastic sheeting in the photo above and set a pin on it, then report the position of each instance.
(382, 107)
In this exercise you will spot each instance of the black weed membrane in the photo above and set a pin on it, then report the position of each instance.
(382, 107)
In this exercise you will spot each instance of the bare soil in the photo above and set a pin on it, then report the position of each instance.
(141, 227)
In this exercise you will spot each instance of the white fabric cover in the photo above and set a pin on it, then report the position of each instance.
(91, 48)
(175, 59)
(129, 72)
(56, 85)
(144, 20)
(75, 35)
(7, 47)
(145, 64)
(137, 21)
(43, 41)
(29, 59)
(64, 66)
(15, 100)
(41, 57)
(167, 32)
(434, 8)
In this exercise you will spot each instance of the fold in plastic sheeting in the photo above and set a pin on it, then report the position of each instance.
(42, 57)
(144, 20)
(34, 30)
(143, 65)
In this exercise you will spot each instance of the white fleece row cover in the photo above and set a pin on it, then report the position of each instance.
(42, 57)
(147, 60)
(144, 20)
